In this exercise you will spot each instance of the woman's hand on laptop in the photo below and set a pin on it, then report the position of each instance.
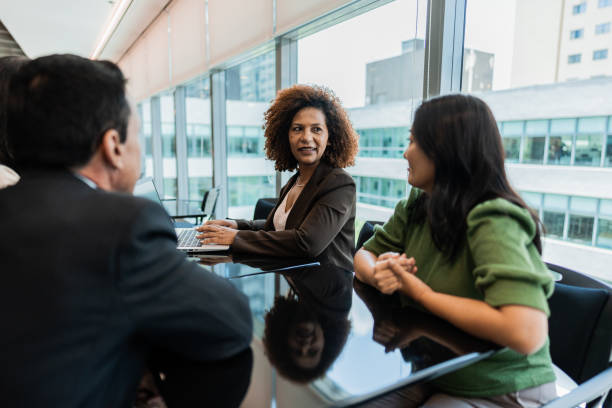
(223, 223)
(216, 234)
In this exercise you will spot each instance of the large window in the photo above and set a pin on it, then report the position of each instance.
(168, 139)
(198, 132)
(374, 63)
(551, 102)
(249, 88)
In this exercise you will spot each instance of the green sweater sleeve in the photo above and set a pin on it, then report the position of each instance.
(391, 236)
(508, 268)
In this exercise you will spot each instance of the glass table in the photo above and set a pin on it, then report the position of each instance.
(333, 341)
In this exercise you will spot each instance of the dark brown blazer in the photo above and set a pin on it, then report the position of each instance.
(321, 223)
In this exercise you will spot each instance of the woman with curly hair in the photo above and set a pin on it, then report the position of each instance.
(305, 128)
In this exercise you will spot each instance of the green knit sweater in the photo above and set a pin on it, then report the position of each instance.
(498, 264)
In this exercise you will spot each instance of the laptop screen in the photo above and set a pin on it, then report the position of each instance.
(146, 188)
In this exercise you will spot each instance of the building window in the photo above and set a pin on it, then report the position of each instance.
(582, 219)
(511, 138)
(608, 156)
(553, 215)
(575, 34)
(604, 228)
(602, 28)
(561, 141)
(383, 142)
(589, 141)
(574, 58)
(604, 3)
(379, 191)
(533, 149)
(579, 8)
(600, 54)
(533, 200)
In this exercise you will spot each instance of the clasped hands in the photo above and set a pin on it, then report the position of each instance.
(221, 232)
(393, 272)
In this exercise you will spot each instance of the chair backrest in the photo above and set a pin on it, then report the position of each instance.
(209, 201)
(263, 208)
(580, 325)
(367, 230)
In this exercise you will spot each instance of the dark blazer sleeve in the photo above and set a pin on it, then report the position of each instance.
(327, 216)
(174, 303)
(253, 225)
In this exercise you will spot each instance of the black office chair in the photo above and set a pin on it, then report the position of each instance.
(580, 331)
(263, 208)
(367, 230)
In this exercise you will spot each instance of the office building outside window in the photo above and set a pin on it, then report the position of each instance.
(554, 118)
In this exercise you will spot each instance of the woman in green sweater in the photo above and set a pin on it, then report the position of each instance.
(465, 247)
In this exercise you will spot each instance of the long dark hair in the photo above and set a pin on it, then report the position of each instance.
(460, 135)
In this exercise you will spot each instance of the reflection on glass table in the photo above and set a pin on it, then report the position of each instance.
(344, 342)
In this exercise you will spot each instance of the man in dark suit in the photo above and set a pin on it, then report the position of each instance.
(92, 281)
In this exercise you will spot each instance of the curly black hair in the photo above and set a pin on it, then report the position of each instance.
(278, 322)
(343, 140)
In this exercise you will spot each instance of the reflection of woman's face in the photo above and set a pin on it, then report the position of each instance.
(306, 343)
(308, 136)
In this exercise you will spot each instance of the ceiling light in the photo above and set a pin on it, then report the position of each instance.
(117, 14)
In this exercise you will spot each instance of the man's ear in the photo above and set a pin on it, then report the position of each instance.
(112, 149)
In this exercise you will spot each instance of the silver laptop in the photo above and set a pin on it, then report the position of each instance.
(186, 237)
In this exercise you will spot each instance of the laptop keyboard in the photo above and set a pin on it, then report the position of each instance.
(187, 238)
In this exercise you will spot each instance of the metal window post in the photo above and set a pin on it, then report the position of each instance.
(219, 140)
(444, 47)
(286, 75)
(180, 127)
(156, 145)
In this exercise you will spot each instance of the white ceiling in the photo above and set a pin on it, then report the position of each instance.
(44, 27)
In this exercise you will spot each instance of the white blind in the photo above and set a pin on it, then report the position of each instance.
(187, 39)
(293, 13)
(237, 25)
(155, 59)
